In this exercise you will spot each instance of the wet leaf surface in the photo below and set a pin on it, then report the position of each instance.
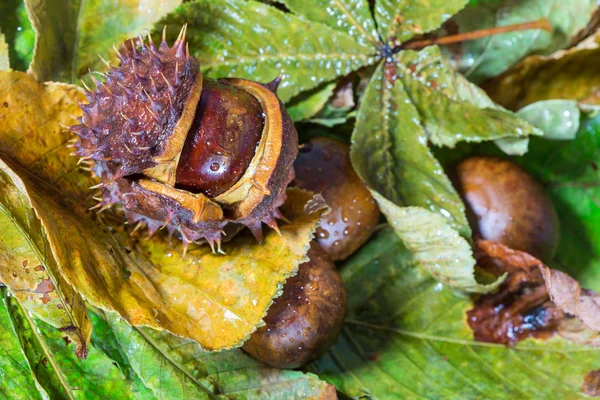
(175, 368)
(406, 336)
(318, 55)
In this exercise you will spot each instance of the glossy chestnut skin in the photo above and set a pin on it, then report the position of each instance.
(507, 205)
(323, 166)
(222, 140)
(305, 321)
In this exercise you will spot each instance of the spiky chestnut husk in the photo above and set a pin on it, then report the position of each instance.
(145, 114)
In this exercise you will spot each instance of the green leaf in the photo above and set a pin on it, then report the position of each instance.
(406, 336)
(28, 268)
(307, 104)
(350, 16)
(485, 58)
(104, 339)
(176, 368)
(20, 37)
(434, 245)
(568, 74)
(559, 119)
(513, 146)
(16, 381)
(251, 40)
(390, 152)
(401, 20)
(450, 108)
(57, 371)
(71, 34)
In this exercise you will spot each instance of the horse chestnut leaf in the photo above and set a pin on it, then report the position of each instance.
(507, 205)
(180, 151)
(323, 166)
(305, 321)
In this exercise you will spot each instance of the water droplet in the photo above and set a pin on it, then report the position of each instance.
(215, 166)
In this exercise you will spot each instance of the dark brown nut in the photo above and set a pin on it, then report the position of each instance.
(184, 152)
(507, 205)
(306, 320)
(222, 141)
(323, 166)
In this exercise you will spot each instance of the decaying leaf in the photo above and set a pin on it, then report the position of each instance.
(567, 74)
(71, 34)
(28, 268)
(564, 291)
(591, 383)
(406, 337)
(217, 300)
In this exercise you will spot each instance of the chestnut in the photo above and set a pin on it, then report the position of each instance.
(323, 166)
(223, 139)
(507, 205)
(305, 321)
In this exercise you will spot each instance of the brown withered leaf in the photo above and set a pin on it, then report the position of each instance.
(567, 74)
(217, 300)
(591, 383)
(562, 290)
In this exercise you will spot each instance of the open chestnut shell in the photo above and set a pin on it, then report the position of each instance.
(306, 320)
(179, 151)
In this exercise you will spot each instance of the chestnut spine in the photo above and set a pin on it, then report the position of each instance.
(134, 128)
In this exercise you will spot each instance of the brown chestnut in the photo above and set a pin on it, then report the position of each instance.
(305, 321)
(507, 205)
(222, 141)
(323, 166)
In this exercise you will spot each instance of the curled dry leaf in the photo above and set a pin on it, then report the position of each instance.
(567, 74)
(528, 273)
(214, 299)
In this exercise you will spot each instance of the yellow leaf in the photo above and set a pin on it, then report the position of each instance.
(217, 300)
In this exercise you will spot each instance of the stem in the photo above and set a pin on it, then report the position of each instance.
(543, 24)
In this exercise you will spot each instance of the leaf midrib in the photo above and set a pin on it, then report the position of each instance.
(49, 356)
(465, 342)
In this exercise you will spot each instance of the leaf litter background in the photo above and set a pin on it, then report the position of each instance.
(406, 335)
